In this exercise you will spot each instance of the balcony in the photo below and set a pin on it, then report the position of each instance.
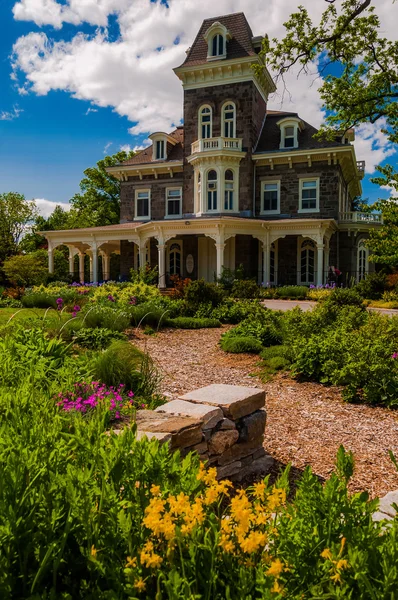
(217, 143)
(360, 217)
(361, 168)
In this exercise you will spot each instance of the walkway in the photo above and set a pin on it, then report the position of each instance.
(307, 422)
(309, 305)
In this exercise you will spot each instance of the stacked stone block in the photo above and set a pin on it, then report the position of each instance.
(224, 424)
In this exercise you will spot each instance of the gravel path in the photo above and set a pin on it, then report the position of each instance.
(306, 421)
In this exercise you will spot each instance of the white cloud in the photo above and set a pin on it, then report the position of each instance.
(107, 146)
(372, 145)
(91, 110)
(46, 207)
(6, 115)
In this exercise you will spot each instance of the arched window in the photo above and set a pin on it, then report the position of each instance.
(205, 122)
(307, 262)
(363, 262)
(212, 185)
(217, 48)
(228, 118)
(229, 190)
(175, 259)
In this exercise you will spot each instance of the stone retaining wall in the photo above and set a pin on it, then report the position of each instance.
(224, 424)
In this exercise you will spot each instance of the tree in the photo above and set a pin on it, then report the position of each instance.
(59, 219)
(99, 201)
(26, 269)
(360, 86)
(16, 215)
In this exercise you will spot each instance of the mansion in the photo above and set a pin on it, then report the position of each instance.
(237, 184)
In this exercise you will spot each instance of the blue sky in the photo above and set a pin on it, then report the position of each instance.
(82, 89)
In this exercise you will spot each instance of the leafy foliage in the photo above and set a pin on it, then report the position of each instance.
(96, 339)
(240, 344)
(200, 292)
(25, 269)
(245, 288)
(193, 323)
(16, 214)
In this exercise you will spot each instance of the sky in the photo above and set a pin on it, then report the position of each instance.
(80, 79)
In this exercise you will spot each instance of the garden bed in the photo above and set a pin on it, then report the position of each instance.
(306, 421)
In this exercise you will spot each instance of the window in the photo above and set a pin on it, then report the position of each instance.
(217, 48)
(270, 197)
(160, 150)
(173, 202)
(307, 262)
(142, 204)
(212, 185)
(228, 116)
(229, 190)
(175, 259)
(205, 124)
(309, 195)
(289, 137)
(363, 263)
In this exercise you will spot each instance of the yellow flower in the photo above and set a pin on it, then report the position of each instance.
(226, 544)
(276, 588)
(155, 490)
(336, 578)
(149, 558)
(343, 541)
(342, 564)
(259, 490)
(93, 552)
(327, 554)
(276, 498)
(140, 584)
(131, 562)
(276, 568)
(253, 541)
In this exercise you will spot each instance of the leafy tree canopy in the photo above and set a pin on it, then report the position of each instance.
(362, 89)
(16, 215)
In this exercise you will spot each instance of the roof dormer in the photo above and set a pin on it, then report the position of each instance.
(162, 144)
(216, 37)
(289, 128)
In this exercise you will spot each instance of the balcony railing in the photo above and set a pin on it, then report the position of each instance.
(361, 168)
(217, 143)
(360, 217)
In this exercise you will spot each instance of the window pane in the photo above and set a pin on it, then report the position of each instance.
(289, 131)
(289, 142)
(270, 197)
(309, 184)
(309, 194)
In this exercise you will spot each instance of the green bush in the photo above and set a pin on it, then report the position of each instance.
(39, 300)
(265, 326)
(192, 323)
(245, 288)
(25, 269)
(278, 363)
(274, 351)
(372, 286)
(341, 297)
(291, 291)
(106, 317)
(200, 292)
(240, 344)
(149, 313)
(123, 363)
(96, 339)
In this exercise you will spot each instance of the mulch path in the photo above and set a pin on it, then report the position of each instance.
(306, 423)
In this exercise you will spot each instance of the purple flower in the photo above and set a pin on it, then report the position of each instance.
(133, 300)
(111, 298)
(59, 302)
(395, 355)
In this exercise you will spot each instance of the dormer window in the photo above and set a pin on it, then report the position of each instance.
(216, 37)
(289, 128)
(162, 144)
(160, 150)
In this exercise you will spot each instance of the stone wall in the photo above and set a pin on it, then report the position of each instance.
(158, 194)
(224, 424)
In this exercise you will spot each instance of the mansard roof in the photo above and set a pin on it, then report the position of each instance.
(239, 46)
(270, 137)
(176, 152)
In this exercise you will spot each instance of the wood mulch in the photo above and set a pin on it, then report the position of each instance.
(306, 422)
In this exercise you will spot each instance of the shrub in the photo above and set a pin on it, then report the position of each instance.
(230, 311)
(38, 300)
(96, 339)
(245, 288)
(192, 323)
(240, 344)
(128, 294)
(10, 303)
(392, 281)
(123, 363)
(149, 313)
(25, 269)
(278, 363)
(341, 297)
(145, 275)
(106, 318)
(319, 294)
(229, 276)
(372, 286)
(274, 351)
(265, 326)
(200, 292)
(291, 291)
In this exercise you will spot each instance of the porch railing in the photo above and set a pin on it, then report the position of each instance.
(217, 143)
(360, 217)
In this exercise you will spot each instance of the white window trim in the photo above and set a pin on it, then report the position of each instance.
(308, 210)
(362, 246)
(294, 122)
(164, 149)
(200, 121)
(138, 191)
(223, 118)
(220, 188)
(169, 245)
(167, 216)
(270, 212)
(216, 28)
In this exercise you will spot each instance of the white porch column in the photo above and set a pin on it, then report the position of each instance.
(95, 264)
(266, 262)
(326, 260)
(319, 277)
(220, 258)
(106, 263)
(142, 255)
(71, 261)
(91, 267)
(81, 266)
(161, 264)
(50, 260)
